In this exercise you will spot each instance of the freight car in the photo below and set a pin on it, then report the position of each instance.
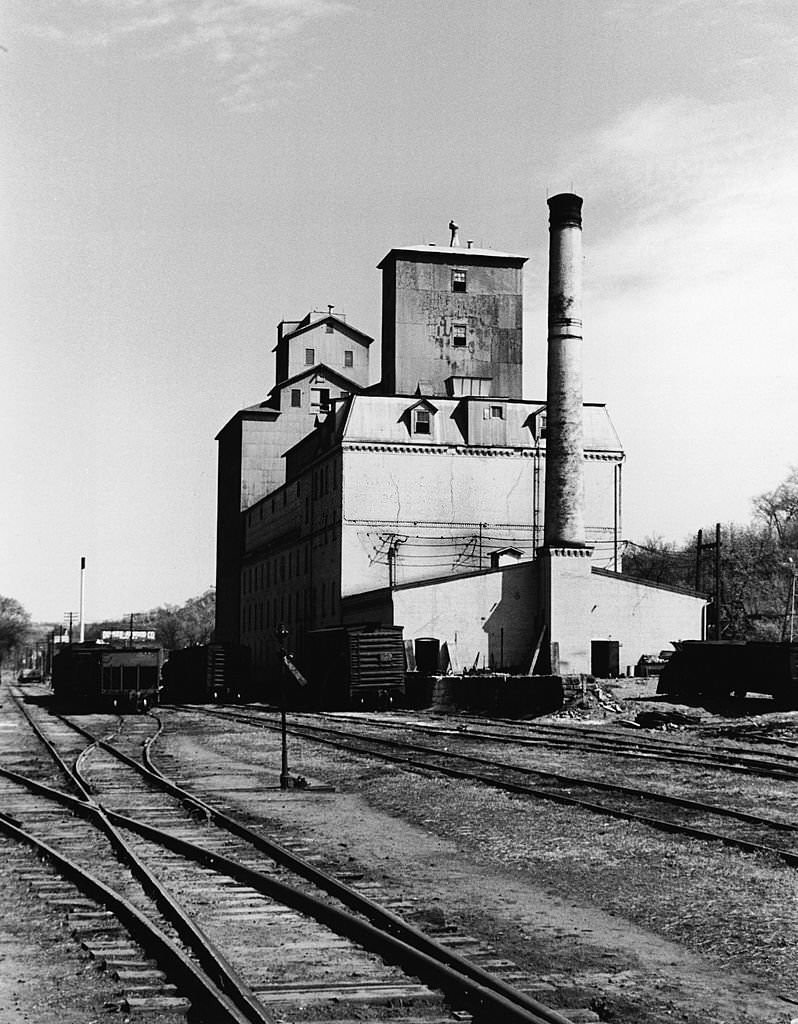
(208, 674)
(99, 677)
(350, 667)
(717, 669)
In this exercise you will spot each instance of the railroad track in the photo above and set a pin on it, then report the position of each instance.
(598, 739)
(225, 922)
(670, 813)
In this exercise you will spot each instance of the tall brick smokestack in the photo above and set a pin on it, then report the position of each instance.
(564, 525)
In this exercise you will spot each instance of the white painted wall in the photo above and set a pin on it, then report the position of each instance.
(644, 617)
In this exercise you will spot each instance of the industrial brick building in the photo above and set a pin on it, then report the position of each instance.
(423, 500)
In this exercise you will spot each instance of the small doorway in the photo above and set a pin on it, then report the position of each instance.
(605, 658)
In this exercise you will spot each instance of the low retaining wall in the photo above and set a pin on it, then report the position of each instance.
(494, 694)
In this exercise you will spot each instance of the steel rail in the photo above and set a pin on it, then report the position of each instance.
(640, 747)
(457, 986)
(724, 754)
(570, 780)
(520, 788)
(470, 974)
(210, 958)
(179, 966)
(479, 999)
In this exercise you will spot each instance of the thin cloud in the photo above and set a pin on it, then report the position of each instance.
(712, 188)
(241, 38)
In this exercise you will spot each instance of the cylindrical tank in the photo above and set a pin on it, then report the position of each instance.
(428, 651)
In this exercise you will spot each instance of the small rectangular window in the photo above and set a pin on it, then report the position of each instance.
(421, 422)
(349, 357)
(458, 280)
(310, 356)
(296, 398)
(459, 335)
(496, 412)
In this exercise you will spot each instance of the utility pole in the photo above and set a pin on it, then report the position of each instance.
(787, 633)
(701, 547)
(698, 546)
(717, 581)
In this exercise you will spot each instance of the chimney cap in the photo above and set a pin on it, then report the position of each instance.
(565, 210)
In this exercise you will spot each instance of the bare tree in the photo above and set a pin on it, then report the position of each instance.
(778, 509)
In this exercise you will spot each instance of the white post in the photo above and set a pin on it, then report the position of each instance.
(82, 588)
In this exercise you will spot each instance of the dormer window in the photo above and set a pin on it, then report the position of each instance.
(422, 424)
(458, 280)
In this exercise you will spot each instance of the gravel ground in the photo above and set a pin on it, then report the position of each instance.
(645, 927)
(45, 977)
(652, 927)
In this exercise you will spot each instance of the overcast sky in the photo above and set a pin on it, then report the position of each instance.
(179, 175)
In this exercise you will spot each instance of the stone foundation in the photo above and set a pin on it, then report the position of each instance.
(495, 693)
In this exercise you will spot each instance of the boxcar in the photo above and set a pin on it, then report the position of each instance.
(723, 668)
(98, 677)
(208, 673)
(353, 667)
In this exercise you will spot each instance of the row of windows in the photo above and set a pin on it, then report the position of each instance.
(323, 482)
(296, 607)
(310, 356)
(280, 568)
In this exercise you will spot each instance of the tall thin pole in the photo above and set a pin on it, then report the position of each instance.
(698, 545)
(82, 591)
(615, 513)
(285, 777)
(717, 581)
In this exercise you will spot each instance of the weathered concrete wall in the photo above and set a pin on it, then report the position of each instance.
(482, 619)
(644, 617)
(565, 597)
(487, 693)
(419, 342)
(430, 505)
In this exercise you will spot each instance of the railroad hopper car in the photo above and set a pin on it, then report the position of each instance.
(351, 667)
(723, 668)
(91, 676)
(208, 674)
